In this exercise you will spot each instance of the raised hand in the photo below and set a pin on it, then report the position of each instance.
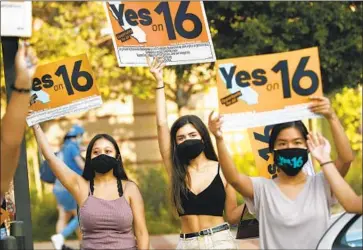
(25, 65)
(214, 125)
(319, 147)
(156, 67)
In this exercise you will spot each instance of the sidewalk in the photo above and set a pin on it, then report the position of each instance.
(167, 241)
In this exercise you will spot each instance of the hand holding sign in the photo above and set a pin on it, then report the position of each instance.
(321, 105)
(63, 87)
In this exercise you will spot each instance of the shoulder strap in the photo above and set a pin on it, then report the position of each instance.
(243, 212)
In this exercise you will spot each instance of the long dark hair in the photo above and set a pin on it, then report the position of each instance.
(179, 170)
(118, 172)
(276, 129)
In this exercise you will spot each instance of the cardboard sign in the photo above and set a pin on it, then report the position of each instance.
(4, 215)
(268, 89)
(177, 31)
(259, 138)
(63, 87)
(16, 18)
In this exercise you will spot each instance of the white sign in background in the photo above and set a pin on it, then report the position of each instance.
(16, 18)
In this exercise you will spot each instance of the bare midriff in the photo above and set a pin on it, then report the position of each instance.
(196, 223)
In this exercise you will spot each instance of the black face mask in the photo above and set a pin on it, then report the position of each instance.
(291, 160)
(104, 163)
(190, 149)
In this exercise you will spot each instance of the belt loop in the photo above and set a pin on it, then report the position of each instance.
(183, 236)
(211, 231)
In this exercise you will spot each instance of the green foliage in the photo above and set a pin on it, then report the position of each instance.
(44, 216)
(348, 107)
(160, 215)
(253, 28)
(354, 176)
(63, 29)
(67, 29)
(246, 164)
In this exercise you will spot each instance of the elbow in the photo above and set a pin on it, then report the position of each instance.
(349, 208)
(232, 220)
(349, 158)
(234, 183)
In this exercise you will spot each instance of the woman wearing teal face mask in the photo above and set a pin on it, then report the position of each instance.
(293, 209)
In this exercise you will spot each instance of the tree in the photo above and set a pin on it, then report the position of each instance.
(63, 29)
(252, 28)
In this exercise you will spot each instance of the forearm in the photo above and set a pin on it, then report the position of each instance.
(9, 164)
(341, 189)
(161, 112)
(240, 182)
(341, 141)
(14, 121)
(225, 159)
(63, 173)
(234, 216)
(43, 143)
(142, 240)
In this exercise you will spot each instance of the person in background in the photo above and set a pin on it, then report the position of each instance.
(13, 123)
(66, 204)
(320, 148)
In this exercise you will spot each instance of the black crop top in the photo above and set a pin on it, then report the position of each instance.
(208, 202)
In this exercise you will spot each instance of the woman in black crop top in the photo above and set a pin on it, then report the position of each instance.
(200, 192)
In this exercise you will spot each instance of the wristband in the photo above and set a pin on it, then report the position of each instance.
(160, 87)
(325, 163)
(20, 90)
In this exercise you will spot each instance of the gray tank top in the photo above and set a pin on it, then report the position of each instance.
(106, 224)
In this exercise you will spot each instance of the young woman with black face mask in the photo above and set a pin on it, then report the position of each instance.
(293, 209)
(111, 208)
(200, 193)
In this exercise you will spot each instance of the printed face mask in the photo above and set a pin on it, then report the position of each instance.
(190, 149)
(103, 163)
(291, 160)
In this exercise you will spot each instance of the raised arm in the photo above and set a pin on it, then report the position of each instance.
(320, 149)
(13, 122)
(156, 68)
(240, 182)
(322, 106)
(70, 180)
(232, 211)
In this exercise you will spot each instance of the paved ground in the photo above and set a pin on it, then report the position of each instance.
(156, 241)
